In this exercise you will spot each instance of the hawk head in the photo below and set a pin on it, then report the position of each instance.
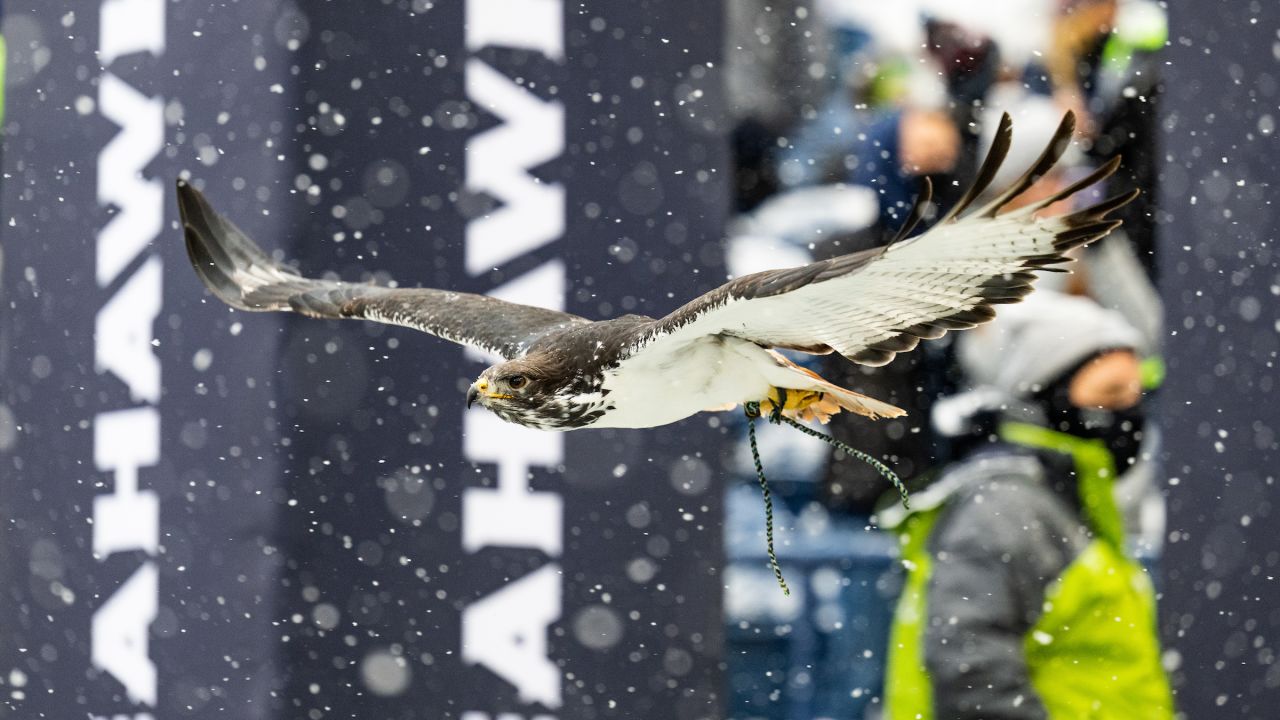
(536, 392)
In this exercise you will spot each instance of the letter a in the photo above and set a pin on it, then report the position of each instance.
(507, 633)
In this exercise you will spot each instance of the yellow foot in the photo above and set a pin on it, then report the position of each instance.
(803, 405)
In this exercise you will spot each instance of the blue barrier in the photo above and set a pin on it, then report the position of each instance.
(820, 652)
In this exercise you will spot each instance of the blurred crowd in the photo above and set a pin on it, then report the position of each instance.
(842, 107)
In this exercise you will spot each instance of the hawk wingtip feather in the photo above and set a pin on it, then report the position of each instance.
(243, 275)
(1048, 158)
(1083, 234)
(1102, 209)
(918, 209)
(224, 258)
(208, 258)
(1104, 171)
(1001, 143)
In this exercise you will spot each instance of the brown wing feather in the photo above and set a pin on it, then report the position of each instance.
(235, 269)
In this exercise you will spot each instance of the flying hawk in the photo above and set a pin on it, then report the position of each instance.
(563, 372)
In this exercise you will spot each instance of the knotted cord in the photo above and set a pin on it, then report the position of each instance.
(752, 411)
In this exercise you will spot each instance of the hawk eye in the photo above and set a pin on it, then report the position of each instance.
(515, 382)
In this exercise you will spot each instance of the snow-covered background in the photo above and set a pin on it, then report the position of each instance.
(292, 538)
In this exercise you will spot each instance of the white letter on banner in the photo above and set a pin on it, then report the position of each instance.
(476, 715)
(526, 24)
(130, 26)
(120, 628)
(498, 161)
(123, 330)
(507, 633)
(120, 180)
(509, 515)
(127, 519)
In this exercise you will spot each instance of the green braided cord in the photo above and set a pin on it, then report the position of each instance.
(753, 411)
(880, 467)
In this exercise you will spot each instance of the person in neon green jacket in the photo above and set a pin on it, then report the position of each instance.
(1020, 599)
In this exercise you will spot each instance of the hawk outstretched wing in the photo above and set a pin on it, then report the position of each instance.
(871, 305)
(245, 277)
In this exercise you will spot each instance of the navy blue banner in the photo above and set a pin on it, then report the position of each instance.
(1218, 279)
(141, 481)
(208, 512)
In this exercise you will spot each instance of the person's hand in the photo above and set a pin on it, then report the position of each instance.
(928, 142)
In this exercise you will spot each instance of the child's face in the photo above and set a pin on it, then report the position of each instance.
(1112, 381)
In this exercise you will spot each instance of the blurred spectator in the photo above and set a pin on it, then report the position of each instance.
(1102, 63)
(1080, 29)
(833, 160)
(1021, 600)
(886, 122)
(776, 67)
(1109, 272)
(969, 62)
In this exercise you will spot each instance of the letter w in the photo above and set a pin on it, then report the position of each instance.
(120, 180)
(498, 163)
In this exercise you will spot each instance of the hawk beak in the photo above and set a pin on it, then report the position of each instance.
(480, 388)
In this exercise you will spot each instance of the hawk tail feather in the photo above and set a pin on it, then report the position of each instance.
(827, 400)
(856, 403)
(809, 397)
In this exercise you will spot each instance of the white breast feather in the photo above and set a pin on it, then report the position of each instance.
(659, 386)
